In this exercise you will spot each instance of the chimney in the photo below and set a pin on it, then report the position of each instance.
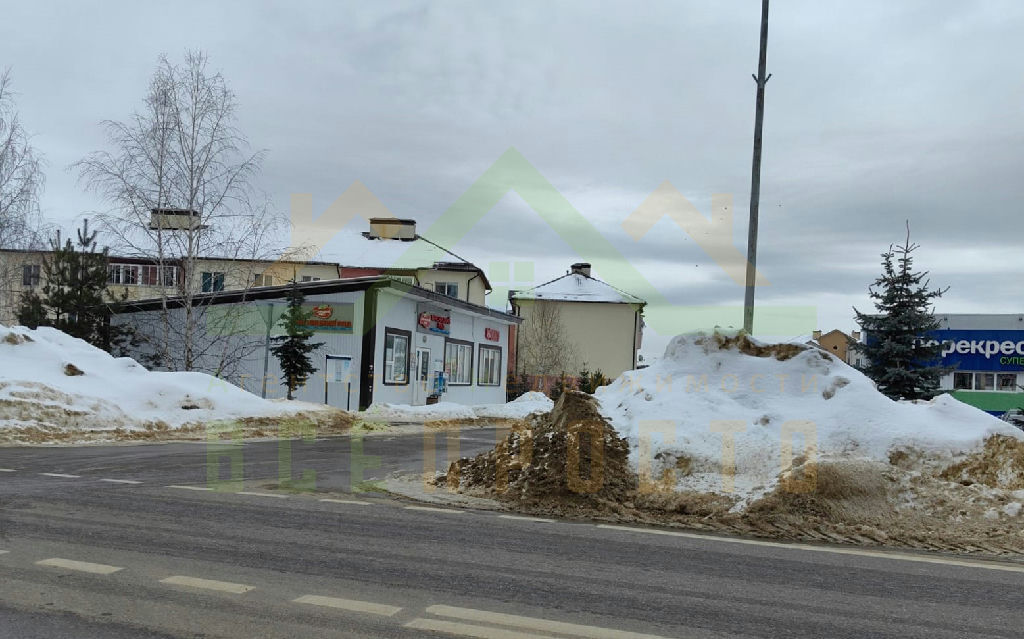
(391, 228)
(581, 268)
(856, 336)
(816, 335)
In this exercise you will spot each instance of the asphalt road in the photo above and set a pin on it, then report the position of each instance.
(171, 554)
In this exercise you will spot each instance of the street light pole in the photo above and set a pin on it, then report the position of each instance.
(755, 176)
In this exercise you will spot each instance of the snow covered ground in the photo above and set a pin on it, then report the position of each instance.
(52, 381)
(706, 405)
(526, 404)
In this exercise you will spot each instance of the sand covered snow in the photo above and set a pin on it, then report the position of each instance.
(771, 405)
(776, 440)
(52, 383)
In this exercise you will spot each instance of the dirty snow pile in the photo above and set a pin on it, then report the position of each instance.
(52, 381)
(716, 398)
(519, 408)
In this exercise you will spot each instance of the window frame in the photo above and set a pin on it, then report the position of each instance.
(31, 275)
(407, 336)
(122, 269)
(481, 368)
(447, 285)
(460, 343)
(970, 380)
(214, 277)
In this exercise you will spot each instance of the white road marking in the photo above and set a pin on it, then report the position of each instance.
(81, 566)
(352, 605)
(537, 519)
(61, 475)
(467, 630)
(121, 481)
(436, 510)
(8, 470)
(251, 494)
(838, 551)
(347, 501)
(207, 584)
(4, 552)
(533, 623)
(190, 487)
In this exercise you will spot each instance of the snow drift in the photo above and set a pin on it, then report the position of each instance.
(50, 382)
(527, 404)
(725, 413)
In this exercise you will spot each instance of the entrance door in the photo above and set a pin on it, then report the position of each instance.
(421, 377)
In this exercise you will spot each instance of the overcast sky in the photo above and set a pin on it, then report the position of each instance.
(878, 111)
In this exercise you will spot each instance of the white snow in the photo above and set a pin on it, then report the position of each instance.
(574, 287)
(112, 392)
(526, 404)
(520, 407)
(697, 397)
(429, 412)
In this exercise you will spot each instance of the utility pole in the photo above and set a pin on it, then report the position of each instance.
(755, 176)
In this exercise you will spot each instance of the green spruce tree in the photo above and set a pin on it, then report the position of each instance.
(902, 358)
(294, 348)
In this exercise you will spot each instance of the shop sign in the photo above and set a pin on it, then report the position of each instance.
(981, 350)
(433, 320)
(328, 318)
(492, 334)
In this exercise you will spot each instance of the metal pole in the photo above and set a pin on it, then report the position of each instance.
(266, 349)
(755, 176)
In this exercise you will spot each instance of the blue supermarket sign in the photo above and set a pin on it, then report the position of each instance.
(981, 350)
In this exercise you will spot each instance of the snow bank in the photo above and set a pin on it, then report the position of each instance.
(519, 408)
(773, 403)
(429, 412)
(51, 380)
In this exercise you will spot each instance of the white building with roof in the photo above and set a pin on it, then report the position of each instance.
(602, 325)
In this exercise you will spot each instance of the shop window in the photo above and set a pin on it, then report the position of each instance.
(1007, 382)
(396, 356)
(963, 381)
(489, 366)
(984, 381)
(212, 281)
(451, 289)
(30, 275)
(458, 362)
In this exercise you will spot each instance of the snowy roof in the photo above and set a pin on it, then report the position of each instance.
(576, 287)
(357, 251)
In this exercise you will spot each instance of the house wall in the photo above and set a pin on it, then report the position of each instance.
(837, 343)
(467, 281)
(602, 334)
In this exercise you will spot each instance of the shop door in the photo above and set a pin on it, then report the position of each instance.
(421, 378)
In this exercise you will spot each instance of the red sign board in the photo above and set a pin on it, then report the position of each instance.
(492, 334)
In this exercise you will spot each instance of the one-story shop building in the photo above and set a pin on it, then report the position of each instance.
(383, 341)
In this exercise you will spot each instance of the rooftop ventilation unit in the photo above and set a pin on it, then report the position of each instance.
(391, 228)
(174, 219)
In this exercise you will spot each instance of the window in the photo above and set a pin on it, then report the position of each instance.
(489, 368)
(451, 289)
(1006, 382)
(30, 275)
(963, 381)
(155, 275)
(310, 278)
(984, 381)
(263, 280)
(396, 356)
(123, 274)
(212, 281)
(458, 362)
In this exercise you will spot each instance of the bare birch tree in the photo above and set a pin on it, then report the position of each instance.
(183, 154)
(544, 344)
(21, 184)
